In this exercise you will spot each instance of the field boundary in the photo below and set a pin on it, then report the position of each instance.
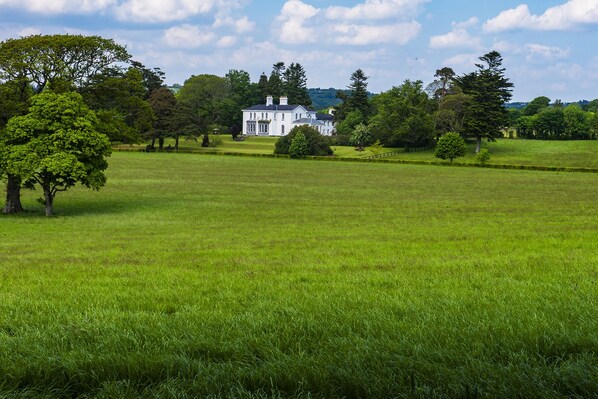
(378, 160)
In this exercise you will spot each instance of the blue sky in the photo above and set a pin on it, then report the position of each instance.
(549, 46)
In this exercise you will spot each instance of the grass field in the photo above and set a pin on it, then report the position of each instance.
(210, 276)
(572, 154)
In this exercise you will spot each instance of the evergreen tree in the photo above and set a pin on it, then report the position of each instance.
(295, 85)
(275, 83)
(262, 88)
(358, 95)
(490, 90)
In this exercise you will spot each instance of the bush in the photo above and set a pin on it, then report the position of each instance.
(299, 146)
(316, 143)
(450, 146)
(483, 156)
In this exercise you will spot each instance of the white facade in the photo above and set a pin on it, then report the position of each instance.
(278, 120)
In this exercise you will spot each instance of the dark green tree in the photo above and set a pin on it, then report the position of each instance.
(295, 85)
(152, 79)
(275, 82)
(163, 103)
(403, 116)
(316, 143)
(262, 88)
(57, 62)
(354, 99)
(299, 146)
(56, 145)
(209, 98)
(450, 146)
(536, 105)
(489, 90)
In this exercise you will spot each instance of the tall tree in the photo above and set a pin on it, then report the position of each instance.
(262, 88)
(57, 62)
(403, 116)
(153, 79)
(442, 85)
(163, 103)
(275, 82)
(209, 98)
(490, 90)
(536, 105)
(358, 93)
(56, 145)
(295, 85)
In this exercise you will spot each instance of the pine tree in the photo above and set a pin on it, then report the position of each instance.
(262, 87)
(490, 90)
(295, 85)
(275, 84)
(358, 96)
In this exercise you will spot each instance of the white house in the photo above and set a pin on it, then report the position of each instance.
(278, 119)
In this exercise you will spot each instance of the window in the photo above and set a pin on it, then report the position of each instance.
(282, 129)
(282, 117)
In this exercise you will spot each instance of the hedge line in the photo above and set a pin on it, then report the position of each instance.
(394, 161)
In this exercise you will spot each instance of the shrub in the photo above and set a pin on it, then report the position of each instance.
(483, 156)
(316, 143)
(299, 146)
(450, 146)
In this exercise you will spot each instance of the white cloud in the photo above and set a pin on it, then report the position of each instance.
(226, 41)
(470, 23)
(242, 25)
(60, 6)
(457, 38)
(362, 35)
(188, 36)
(545, 52)
(161, 10)
(293, 17)
(466, 60)
(29, 32)
(502, 46)
(375, 10)
(565, 16)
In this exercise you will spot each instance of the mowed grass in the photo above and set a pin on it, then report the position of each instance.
(566, 154)
(211, 276)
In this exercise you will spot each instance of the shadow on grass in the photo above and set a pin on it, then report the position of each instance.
(84, 207)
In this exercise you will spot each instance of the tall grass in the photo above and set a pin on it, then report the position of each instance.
(223, 276)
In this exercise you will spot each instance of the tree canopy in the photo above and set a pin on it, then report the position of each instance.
(56, 145)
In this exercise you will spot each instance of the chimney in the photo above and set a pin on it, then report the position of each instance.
(284, 100)
(269, 100)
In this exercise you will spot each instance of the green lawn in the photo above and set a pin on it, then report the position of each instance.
(199, 276)
(573, 154)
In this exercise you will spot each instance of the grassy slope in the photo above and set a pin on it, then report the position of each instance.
(241, 276)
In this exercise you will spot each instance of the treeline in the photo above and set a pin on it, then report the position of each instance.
(545, 121)
(411, 115)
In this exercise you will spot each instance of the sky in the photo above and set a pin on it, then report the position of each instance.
(548, 46)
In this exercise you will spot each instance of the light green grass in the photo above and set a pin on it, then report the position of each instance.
(197, 276)
(571, 154)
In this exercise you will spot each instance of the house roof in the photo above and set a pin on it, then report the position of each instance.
(274, 107)
(324, 117)
(308, 121)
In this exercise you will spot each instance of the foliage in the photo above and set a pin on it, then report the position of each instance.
(361, 137)
(345, 128)
(376, 148)
(275, 84)
(354, 99)
(215, 140)
(317, 144)
(536, 105)
(163, 103)
(489, 90)
(483, 156)
(450, 146)
(208, 97)
(58, 61)
(295, 85)
(56, 145)
(299, 146)
(451, 113)
(443, 85)
(403, 116)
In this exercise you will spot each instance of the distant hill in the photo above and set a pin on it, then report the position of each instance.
(323, 98)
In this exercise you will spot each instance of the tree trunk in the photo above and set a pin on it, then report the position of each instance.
(161, 143)
(176, 143)
(478, 145)
(13, 195)
(49, 201)
(153, 142)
